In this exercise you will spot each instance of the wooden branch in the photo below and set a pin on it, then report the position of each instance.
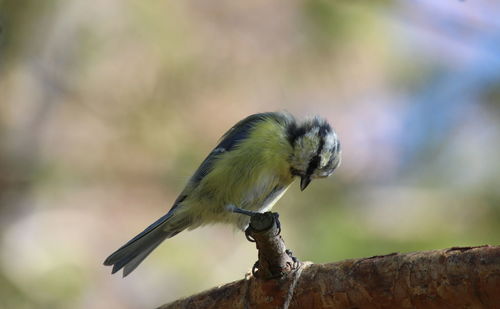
(450, 278)
(275, 261)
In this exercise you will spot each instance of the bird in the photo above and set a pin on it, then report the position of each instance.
(247, 172)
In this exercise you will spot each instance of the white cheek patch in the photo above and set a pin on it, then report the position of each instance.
(330, 141)
(327, 152)
(325, 158)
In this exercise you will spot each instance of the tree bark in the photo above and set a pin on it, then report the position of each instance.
(450, 278)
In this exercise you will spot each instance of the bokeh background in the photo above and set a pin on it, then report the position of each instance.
(107, 108)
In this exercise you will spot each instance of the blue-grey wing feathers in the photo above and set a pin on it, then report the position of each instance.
(238, 133)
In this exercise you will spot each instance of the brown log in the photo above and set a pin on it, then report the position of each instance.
(450, 278)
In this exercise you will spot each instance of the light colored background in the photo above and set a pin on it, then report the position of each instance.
(107, 107)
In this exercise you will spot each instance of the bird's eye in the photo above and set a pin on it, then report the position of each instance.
(295, 172)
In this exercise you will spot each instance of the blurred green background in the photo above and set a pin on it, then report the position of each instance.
(107, 108)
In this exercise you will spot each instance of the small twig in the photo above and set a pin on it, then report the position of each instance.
(274, 259)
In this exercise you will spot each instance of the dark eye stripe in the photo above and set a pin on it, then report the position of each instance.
(314, 162)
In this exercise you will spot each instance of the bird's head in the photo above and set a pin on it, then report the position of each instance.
(316, 150)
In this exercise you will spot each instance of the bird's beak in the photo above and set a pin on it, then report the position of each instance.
(304, 182)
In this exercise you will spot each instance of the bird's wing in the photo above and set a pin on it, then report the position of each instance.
(234, 136)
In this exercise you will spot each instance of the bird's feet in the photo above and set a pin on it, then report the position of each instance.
(258, 221)
(261, 222)
(248, 234)
(242, 211)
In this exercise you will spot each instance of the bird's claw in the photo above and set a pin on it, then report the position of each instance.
(295, 260)
(278, 223)
(255, 268)
(248, 234)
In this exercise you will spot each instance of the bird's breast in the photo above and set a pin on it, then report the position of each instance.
(264, 194)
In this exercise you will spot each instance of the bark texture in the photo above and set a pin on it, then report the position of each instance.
(449, 278)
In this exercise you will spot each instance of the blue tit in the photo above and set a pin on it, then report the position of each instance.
(248, 171)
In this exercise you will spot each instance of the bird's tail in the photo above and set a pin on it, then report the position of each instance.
(130, 255)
